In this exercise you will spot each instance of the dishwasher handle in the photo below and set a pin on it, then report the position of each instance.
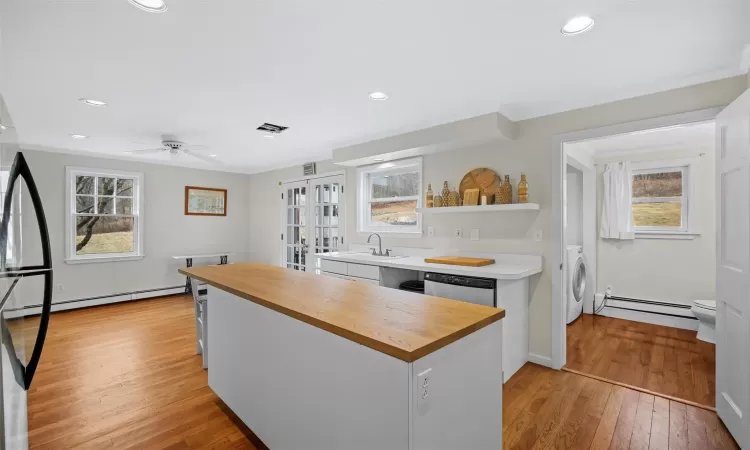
(458, 280)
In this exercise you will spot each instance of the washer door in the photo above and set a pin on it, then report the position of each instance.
(579, 279)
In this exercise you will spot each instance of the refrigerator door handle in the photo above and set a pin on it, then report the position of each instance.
(25, 374)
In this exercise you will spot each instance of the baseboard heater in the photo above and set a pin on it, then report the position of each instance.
(31, 310)
(647, 302)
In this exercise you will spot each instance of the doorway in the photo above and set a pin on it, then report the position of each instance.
(644, 334)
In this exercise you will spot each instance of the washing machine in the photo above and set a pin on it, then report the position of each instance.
(575, 278)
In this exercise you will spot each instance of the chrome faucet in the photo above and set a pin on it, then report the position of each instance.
(380, 245)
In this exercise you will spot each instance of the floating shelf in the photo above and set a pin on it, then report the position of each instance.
(481, 208)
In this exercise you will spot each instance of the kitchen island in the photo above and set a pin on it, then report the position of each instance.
(311, 362)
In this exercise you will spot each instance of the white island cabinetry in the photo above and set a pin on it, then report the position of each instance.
(312, 362)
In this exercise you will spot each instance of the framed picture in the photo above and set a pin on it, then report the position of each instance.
(205, 201)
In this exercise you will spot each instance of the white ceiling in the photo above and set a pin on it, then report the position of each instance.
(211, 71)
(683, 137)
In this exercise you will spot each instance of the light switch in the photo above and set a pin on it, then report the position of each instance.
(475, 234)
(458, 233)
(538, 235)
(431, 231)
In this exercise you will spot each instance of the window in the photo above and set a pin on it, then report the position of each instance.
(388, 197)
(104, 215)
(661, 200)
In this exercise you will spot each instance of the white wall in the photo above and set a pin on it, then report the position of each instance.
(677, 271)
(573, 212)
(167, 230)
(530, 153)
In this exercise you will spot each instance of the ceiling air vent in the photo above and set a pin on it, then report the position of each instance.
(271, 128)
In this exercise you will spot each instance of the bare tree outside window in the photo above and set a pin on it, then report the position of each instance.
(104, 215)
(399, 211)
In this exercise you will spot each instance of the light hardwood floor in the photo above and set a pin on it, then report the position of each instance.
(127, 376)
(664, 360)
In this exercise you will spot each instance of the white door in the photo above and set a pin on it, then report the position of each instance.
(313, 220)
(733, 268)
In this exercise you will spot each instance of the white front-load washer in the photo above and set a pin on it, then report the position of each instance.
(575, 281)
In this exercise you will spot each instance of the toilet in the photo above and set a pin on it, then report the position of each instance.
(705, 312)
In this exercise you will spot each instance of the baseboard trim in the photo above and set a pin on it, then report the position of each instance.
(541, 360)
(640, 389)
(95, 301)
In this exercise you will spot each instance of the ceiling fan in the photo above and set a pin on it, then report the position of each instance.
(176, 148)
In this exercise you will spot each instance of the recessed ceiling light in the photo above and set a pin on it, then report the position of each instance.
(577, 25)
(3, 127)
(92, 102)
(269, 136)
(212, 156)
(156, 6)
(79, 136)
(378, 95)
(378, 159)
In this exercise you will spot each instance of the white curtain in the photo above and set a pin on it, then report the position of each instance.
(617, 208)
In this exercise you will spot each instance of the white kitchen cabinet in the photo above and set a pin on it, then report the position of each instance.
(326, 265)
(363, 271)
(347, 277)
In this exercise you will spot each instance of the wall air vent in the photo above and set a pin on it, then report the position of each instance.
(271, 128)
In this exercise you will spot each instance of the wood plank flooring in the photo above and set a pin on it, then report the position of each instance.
(126, 376)
(544, 409)
(668, 361)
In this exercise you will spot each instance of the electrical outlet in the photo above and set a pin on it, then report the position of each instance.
(458, 233)
(60, 287)
(538, 235)
(424, 391)
(431, 231)
(475, 234)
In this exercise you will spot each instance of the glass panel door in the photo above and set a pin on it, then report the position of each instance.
(313, 223)
(295, 233)
(328, 226)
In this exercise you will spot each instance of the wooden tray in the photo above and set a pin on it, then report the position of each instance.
(484, 179)
(460, 261)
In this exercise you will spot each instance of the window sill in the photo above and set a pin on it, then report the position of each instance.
(103, 259)
(396, 234)
(685, 236)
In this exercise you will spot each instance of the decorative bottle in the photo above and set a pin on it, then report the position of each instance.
(430, 200)
(508, 191)
(504, 194)
(523, 190)
(446, 192)
(454, 198)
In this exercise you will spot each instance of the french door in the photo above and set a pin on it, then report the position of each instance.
(733, 268)
(313, 220)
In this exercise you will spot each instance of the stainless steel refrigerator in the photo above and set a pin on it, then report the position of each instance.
(23, 321)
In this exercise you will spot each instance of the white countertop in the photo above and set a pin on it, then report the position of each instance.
(514, 267)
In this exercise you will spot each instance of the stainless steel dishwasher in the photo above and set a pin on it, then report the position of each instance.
(480, 291)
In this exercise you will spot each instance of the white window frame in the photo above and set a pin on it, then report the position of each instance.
(364, 202)
(687, 230)
(70, 216)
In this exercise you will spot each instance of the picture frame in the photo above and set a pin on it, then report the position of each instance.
(205, 201)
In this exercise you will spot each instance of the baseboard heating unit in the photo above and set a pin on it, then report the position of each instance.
(31, 310)
(676, 315)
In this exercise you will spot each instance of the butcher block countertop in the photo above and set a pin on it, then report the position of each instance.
(401, 324)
